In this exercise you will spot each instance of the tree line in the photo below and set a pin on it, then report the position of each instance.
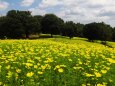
(21, 24)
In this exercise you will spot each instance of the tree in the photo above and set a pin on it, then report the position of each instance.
(69, 29)
(97, 31)
(10, 27)
(2, 28)
(51, 24)
(105, 32)
(79, 30)
(13, 28)
(23, 22)
(38, 19)
(113, 34)
(25, 18)
(12, 14)
(90, 31)
(33, 26)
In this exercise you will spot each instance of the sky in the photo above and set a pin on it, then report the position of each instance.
(83, 11)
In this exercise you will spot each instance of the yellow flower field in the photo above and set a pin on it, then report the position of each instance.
(53, 62)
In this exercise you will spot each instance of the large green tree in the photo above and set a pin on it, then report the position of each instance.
(79, 30)
(90, 31)
(97, 31)
(69, 29)
(113, 34)
(51, 24)
(105, 32)
(38, 19)
(28, 23)
(2, 27)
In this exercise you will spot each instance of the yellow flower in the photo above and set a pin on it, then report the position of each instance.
(9, 74)
(101, 85)
(43, 67)
(56, 67)
(39, 72)
(28, 65)
(75, 68)
(104, 71)
(0, 68)
(8, 67)
(107, 68)
(111, 60)
(70, 60)
(18, 70)
(60, 70)
(88, 75)
(38, 64)
(0, 83)
(83, 85)
(113, 56)
(16, 75)
(35, 66)
(110, 80)
(80, 62)
(98, 74)
(30, 74)
(49, 60)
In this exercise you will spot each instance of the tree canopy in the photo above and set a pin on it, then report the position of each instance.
(51, 24)
(21, 24)
(97, 31)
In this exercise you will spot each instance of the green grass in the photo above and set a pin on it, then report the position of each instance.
(111, 44)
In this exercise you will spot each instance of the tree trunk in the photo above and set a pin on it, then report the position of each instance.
(51, 35)
(27, 34)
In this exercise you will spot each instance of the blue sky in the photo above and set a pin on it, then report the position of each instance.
(83, 11)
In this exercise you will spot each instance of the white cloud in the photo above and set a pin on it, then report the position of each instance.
(27, 3)
(49, 3)
(37, 11)
(83, 11)
(3, 5)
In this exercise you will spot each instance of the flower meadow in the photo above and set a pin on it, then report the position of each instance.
(48, 62)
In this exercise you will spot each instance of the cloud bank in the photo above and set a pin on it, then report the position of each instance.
(3, 5)
(84, 11)
(27, 3)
